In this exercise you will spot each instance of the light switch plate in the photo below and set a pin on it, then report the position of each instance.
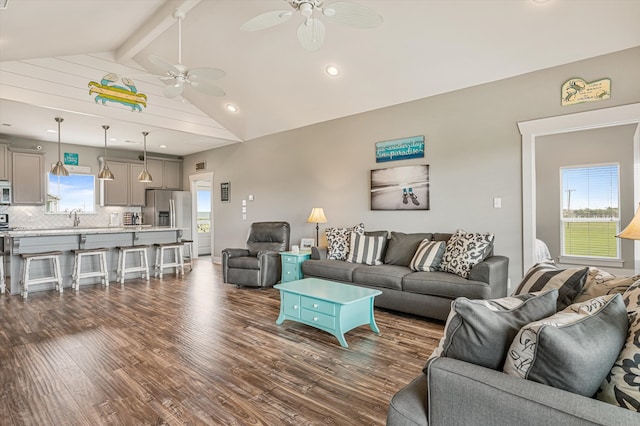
(497, 203)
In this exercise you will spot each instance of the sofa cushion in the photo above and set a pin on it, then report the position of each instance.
(481, 331)
(401, 247)
(428, 256)
(446, 285)
(545, 275)
(601, 283)
(338, 241)
(465, 250)
(386, 276)
(337, 270)
(367, 250)
(573, 349)
(621, 387)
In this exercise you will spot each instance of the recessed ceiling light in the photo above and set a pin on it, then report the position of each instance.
(113, 139)
(332, 70)
(163, 146)
(51, 131)
(231, 108)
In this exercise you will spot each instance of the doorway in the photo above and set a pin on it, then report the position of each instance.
(201, 186)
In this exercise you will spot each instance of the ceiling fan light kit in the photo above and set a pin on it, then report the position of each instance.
(311, 31)
(178, 75)
(58, 169)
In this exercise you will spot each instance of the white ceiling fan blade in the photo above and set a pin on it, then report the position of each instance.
(207, 87)
(161, 66)
(201, 74)
(173, 90)
(352, 14)
(311, 34)
(266, 20)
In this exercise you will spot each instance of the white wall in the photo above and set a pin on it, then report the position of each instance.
(473, 148)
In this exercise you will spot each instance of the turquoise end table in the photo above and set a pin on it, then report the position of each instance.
(292, 264)
(327, 305)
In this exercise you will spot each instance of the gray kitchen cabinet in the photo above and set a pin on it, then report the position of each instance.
(4, 169)
(166, 173)
(172, 175)
(136, 189)
(124, 189)
(27, 178)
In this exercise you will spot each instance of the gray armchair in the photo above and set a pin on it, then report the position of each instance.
(259, 264)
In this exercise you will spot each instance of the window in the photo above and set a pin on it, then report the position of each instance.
(590, 211)
(73, 192)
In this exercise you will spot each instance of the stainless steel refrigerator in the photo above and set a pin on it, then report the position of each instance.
(169, 208)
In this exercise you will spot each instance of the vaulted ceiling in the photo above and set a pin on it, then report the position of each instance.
(51, 50)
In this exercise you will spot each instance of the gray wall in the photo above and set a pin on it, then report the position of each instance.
(473, 148)
(598, 146)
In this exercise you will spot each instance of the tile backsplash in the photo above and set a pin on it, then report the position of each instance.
(35, 217)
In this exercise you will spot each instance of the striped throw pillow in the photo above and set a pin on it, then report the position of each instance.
(545, 275)
(367, 250)
(428, 256)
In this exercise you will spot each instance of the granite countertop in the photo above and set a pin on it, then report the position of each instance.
(35, 232)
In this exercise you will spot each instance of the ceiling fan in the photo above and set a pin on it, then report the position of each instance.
(311, 31)
(178, 75)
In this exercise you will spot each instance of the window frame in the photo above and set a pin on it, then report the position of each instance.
(589, 259)
(66, 212)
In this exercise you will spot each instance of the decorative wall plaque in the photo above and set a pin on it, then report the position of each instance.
(577, 91)
(225, 192)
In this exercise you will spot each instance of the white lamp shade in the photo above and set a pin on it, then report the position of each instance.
(632, 231)
(317, 216)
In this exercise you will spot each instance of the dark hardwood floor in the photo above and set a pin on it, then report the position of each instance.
(193, 351)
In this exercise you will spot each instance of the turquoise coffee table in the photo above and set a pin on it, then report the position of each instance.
(330, 306)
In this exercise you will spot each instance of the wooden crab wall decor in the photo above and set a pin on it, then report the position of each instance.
(107, 90)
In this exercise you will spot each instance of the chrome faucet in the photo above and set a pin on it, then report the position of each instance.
(76, 219)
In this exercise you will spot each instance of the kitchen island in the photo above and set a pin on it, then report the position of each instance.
(38, 240)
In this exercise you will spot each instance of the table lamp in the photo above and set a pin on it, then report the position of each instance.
(632, 232)
(317, 216)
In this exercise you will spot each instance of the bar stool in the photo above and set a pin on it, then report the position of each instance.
(77, 274)
(122, 262)
(178, 262)
(51, 256)
(188, 244)
(3, 285)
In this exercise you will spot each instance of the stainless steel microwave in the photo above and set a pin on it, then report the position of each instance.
(5, 192)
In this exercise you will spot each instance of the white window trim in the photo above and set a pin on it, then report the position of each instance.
(530, 130)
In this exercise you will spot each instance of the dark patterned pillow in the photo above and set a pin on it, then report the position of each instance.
(480, 331)
(464, 251)
(338, 240)
(572, 350)
(545, 275)
(428, 256)
(366, 249)
(622, 385)
(600, 283)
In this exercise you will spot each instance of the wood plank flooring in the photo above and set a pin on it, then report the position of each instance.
(195, 351)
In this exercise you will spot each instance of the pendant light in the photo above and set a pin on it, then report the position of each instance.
(105, 173)
(58, 169)
(144, 175)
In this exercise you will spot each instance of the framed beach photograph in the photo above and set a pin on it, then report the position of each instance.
(307, 243)
(400, 188)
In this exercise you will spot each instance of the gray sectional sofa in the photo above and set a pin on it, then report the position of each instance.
(461, 393)
(427, 294)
